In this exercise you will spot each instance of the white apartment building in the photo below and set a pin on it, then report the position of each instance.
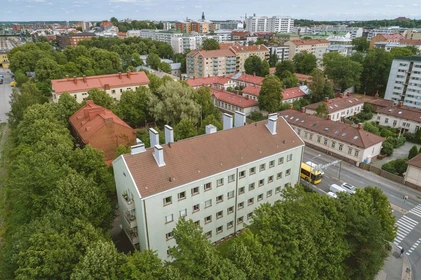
(281, 51)
(338, 108)
(352, 144)
(405, 118)
(159, 35)
(404, 82)
(270, 24)
(182, 43)
(317, 47)
(216, 180)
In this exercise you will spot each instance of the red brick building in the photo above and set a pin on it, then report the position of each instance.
(99, 127)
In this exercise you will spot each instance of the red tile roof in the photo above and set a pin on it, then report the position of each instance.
(303, 77)
(336, 130)
(91, 117)
(252, 90)
(214, 53)
(196, 82)
(225, 46)
(410, 42)
(336, 104)
(234, 99)
(310, 42)
(406, 113)
(251, 79)
(196, 158)
(294, 92)
(393, 36)
(415, 161)
(83, 84)
(239, 33)
(253, 48)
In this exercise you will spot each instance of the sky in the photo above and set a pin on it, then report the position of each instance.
(96, 10)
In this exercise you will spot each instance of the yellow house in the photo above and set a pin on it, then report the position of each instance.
(4, 61)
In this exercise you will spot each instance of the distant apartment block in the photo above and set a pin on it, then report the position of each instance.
(390, 38)
(73, 39)
(181, 44)
(201, 27)
(216, 180)
(316, 47)
(158, 35)
(282, 38)
(200, 63)
(113, 84)
(244, 52)
(269, 24)
(281, 51)
(414, 34)
(404, 82)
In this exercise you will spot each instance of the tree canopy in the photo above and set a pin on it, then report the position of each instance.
(304, 62)
(270, 96)
(210, 44)
(342, 70)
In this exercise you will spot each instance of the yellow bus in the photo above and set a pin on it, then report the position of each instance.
(310, 174)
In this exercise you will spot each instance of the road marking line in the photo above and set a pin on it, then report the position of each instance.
(405, 226)
(416, 210)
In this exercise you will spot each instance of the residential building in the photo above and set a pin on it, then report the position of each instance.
(183, 26)
(244, 52)
(201, 26)
(133, 33)
(16, 27)
(338, 108)
(405, 118)
(243, 79)
(106, 23)
(390, 38)
(316, 47)
(73, 39)
(218, 82)
(216, 180)
(201, 63)
(4, 61)
(405, 81)
(282, 38)
(371, 33)
(102, 129)
(344, 50)
(375, 101)
(281, 51)
(292, 94)
(251, 92)
(269, 24)
(413, 172)
(266, 36)
(414, 34)
(351, 144)
(227, 24)
(181, 44)
(113, 84)
(231, 102)
(238, 35)
(160, 35)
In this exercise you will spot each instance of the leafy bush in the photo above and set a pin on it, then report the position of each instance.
(413, 152)
(413, 137)
(396, 141)
(371, 127)
(397, 166)
(363, 116)
(387, 148)
(256, 116)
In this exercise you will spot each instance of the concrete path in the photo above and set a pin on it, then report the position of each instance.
(401, 152)
(395, 267)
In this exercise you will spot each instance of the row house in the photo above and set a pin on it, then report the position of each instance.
(405, 118)
(231, 102)
(338, 108)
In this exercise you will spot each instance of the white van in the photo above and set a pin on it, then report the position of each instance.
(316, 167)
(336, 188)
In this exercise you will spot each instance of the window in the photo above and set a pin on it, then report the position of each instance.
(209, 234)
(261, 182)
(271, 163)
(252, 170)
(249, 215)
(219, 214)
(288, 172)
(196, 208)
(386, 120)
(231, 178)
(241, 190)
(113, 91)
(281, 160)
(169, 235)
(208, 186)
(169, 219)
(341, 147)
(208, 219)
(250, 201)
(325, 142)
(183, 213)
(349, 151)
(269, 193)
(333, 144)
(278, 190)
(230, 194)
(262, 167)
(219, 198)
(230, 224)
(230, 210)
(195, 191)
(270, 179)
(279, 175)
(181, 195)
(289, 157)
(219, 229)
(220, 182)
(319, 138)
(167, 200)
(241, 205)
(356, 153)
(251, 186)
(208, 203)
(260, 197)
(242, 174)
(240, 220)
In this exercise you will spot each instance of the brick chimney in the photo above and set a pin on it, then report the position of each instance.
(128, 74)
(328, 117)
(120, 75)
(75, 80)
(326, 99)
(67, 77)
(303, 109)
(400, 104)
(291, 106)
(376, 95)
(84, 78)
(360, 126)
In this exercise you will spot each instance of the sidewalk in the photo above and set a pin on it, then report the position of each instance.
(395, 267)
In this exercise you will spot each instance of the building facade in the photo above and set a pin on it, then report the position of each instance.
(4, 61)
(159, 35)
(231, 102)
(113, 84)
(244, 52)
(405, 118)
(413, 172)
(338, 108)
(201, 63)
(216, 186)
(269, 24)
(316, 47)
(404, 82)
(73, 39)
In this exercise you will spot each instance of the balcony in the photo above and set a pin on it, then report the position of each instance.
(133, 236)
(128, 202)
(130, 218)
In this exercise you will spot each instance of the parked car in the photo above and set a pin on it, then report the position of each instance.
(336, 188)
(315, 166)
(332, 194)
(349, 188)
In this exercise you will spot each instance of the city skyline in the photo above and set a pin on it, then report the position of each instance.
(94, 10)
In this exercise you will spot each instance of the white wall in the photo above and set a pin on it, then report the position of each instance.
(394, 122)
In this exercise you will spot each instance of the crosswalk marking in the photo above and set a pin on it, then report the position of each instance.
(413, 247)
(416, 210)
(405, 226)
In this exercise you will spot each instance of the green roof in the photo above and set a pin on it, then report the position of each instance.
(286, 35)
(409, 58)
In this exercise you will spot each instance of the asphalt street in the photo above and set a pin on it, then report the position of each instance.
(5, 92)
(407, 212)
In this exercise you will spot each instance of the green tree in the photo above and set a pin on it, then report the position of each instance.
(360, 44)
(210, 44)
(165, 67)
(413, 152)
(264, 69)
(304, 62)
(376, 68)
(270, 96)
(321, 110)
(318, 85)
(174, 102)
(133, 105)
(203, 97)
(20, 78)
(121, 150)
(342, 70)
(153, 61)
(371, 127)
(253, 65)
(101, 98)
(288, 79)
(165, 51)
(185, 129)
(273, 59)
(401, 51)
(66, 106)
(47, 69)
(286, 65)
(210, 119)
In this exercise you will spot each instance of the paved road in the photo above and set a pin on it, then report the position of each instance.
(5, 92)
(407, 213)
